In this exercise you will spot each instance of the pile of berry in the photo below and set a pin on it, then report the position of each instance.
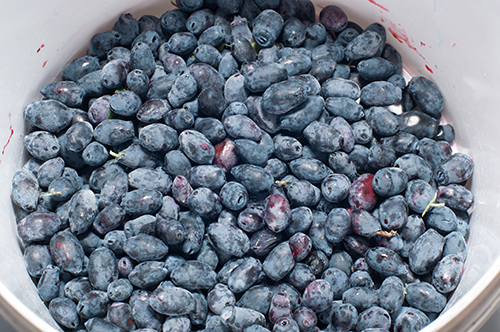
(235, 166)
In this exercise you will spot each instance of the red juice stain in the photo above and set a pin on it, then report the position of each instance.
(401, 36)
(8, 141)
(40, 48)
(396, 35)
(454, 44)
(378, 5)
(44, 63)
(427, 67)
(422, 43)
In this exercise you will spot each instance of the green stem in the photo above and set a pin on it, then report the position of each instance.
(53, 192)
(120, 89)
(224, 45)
(283, 183)
(256, 48)
(116, 155)
(432, 204)
(111, 114)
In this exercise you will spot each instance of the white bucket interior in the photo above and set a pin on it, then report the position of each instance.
(452, 43)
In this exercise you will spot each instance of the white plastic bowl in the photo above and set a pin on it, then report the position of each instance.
(454, 43)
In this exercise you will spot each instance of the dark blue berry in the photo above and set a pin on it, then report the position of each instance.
(95, 154)
(93, 304)
(455, 244)
(380, 93)
(263, 75)
(360, 298)
(323, 137)
(419, 124)
(193, 275)
(340, 87)
(144, 224)
(114, 132)
(374, 317)
(67, 92)
(182, 43)
(212, 36)
(442, 219)
(376, 69)
(170, 300)
(173, 21)
(393, 212)
(102, 42)
(263, 241)
(256, 179)
(385, 261)
(179, 119)
(411, 319)
(79, 67)
(425, 297)
(49, 283)
(279, 262)
(391, 294)
(456, 169)
(364, 223)
(283, 96)
(426, 252)
(37, 258)
(114, 73)
(234, 196)
(426, 95)
(205, 203)
(267, 27)
(158, 137)
(93, 85)
(120, 290)
(38, 226)
(114, 240)
(419, 194)
(64, 312)
(447, 273)
(108, 219)
(415, 167)
(102, 268)
(364, 46)
(228, 239)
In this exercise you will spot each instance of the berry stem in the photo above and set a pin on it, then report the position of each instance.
(120, 89)
(116, 155)
(53, 192)
(387, 234)
(256, 47)
(432, 204)
(283, 183)
(224, 45)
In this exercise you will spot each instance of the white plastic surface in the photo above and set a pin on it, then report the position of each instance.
(454, 43)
